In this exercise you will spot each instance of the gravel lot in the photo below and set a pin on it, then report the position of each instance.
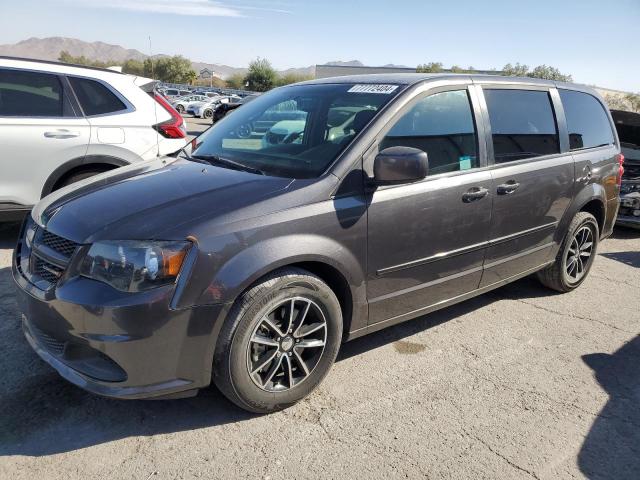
(519, 383)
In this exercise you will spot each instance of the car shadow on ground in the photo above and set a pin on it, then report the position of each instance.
(628, 258)
(9, 234)
(612, 446)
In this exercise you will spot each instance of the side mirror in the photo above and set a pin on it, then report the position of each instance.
(400, 165)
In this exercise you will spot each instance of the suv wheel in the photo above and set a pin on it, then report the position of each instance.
(279, 341)
(576, 255)
(76, 177)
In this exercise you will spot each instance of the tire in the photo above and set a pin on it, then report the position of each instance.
(76, 177)
(557, 276)
(237, 351)
(180, 108)
(208, 113)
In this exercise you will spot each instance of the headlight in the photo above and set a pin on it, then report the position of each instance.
(133, 266)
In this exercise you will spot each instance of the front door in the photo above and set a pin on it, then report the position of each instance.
(427, 240)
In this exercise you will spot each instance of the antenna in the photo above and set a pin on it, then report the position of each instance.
(151, 57)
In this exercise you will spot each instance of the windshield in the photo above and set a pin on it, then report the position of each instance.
(295, 132)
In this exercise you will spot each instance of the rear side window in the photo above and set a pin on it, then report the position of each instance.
(95, 98)
(587, 120)
(523, 124)
(30, 94)
(441, 125)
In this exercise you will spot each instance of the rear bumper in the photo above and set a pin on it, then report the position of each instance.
(131, 346)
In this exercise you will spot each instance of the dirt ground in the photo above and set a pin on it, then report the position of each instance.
(518, 383)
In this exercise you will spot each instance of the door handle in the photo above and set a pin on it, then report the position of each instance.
(507, 188)
(61, 134)
(473, 194)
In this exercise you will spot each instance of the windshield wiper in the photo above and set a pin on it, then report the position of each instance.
(225, 162)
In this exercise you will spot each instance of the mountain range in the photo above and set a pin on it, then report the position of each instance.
(50, 48)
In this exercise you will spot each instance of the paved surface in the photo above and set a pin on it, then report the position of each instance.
(520, 383)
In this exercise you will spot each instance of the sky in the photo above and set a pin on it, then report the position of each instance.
(591, 40)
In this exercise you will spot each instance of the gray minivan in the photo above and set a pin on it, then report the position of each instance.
(248, 262)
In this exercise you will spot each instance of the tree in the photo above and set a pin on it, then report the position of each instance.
(236, 81)
(550, 73)
(66, 57)
(261, 76)
(616, 102)
(541, 71)
(133, 67)
(176, 69)
(432, 67)
(516, 70)
(290, 78)
(633, 99)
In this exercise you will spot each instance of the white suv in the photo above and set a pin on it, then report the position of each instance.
(62, 123)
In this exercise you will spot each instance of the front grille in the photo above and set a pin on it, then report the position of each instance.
(45, 270)
(59, 244)
(43, 256)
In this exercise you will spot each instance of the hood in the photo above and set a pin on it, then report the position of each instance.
(143, 203)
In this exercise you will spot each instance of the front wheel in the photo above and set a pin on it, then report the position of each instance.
(575, 257)
(207, 113)
(279, 341)
(180, 108)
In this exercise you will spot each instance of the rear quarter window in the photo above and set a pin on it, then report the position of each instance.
(95, 98)
(587, 120)
(30, 94)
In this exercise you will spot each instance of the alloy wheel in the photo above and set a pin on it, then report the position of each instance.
(287, 345)
(579, 254)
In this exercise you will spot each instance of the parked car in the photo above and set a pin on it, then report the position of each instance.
(61, 123)
(181, 103)
(628, 127)
(224, 108)
(249, 264)
(206, 110)
(173, 93)
(195, 106)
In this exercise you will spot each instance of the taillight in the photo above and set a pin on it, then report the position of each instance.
(620, 168)
(172, 128)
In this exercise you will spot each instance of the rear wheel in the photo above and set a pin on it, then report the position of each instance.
(279, 341)
(180, 108)
(575, 257)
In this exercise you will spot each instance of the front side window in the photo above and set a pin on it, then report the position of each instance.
(95, 98)
(295, 131)
(441, 125)
(523, 124)
(587, 121)
(30, 94)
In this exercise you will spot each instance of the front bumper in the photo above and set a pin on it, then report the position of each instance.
(117, 344)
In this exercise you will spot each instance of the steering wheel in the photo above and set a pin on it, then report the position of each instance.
(292, 137)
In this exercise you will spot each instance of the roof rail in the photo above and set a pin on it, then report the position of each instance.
(53, 62)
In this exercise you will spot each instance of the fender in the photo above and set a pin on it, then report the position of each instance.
(249, 264)
(62, 170)
(593, 191)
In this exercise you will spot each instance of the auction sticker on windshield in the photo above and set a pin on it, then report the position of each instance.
(373, 88)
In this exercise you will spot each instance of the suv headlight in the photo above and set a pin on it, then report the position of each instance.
(133, 266)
